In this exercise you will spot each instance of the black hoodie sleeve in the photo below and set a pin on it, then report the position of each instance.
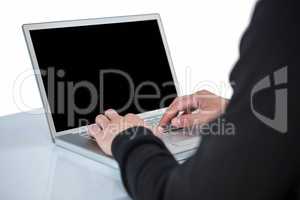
(247, 159)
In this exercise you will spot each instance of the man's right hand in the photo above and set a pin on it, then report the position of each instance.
(199, 108)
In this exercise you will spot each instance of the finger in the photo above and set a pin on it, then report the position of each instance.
(187, 112)
(134, 118)
(187, 120)
(179, 104)
(94, 130)
(167, 117)
(112, 114)
(157, 131)
(96, 133)
(170, 113)
(102, 121)
(100, 139)
(186, 104)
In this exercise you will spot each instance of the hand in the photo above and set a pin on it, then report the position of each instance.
(199, 108)
(109, 125)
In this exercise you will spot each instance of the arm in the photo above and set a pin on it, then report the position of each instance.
(254, 163)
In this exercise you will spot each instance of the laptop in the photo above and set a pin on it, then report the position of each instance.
(84, 67)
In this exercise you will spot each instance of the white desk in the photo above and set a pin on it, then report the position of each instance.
(33, 168)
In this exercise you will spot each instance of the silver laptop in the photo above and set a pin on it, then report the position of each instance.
(84, 67)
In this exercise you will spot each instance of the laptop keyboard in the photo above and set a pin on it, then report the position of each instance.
(152, 121)
(180, 138)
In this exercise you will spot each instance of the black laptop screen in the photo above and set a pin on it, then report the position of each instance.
(88, 69)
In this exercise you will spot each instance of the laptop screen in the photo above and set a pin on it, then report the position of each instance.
(88, 69)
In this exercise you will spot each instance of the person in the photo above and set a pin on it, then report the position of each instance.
(261, 160)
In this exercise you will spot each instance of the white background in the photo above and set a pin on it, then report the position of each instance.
(203, 37)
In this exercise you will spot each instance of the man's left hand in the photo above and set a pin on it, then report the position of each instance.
(109, 125)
